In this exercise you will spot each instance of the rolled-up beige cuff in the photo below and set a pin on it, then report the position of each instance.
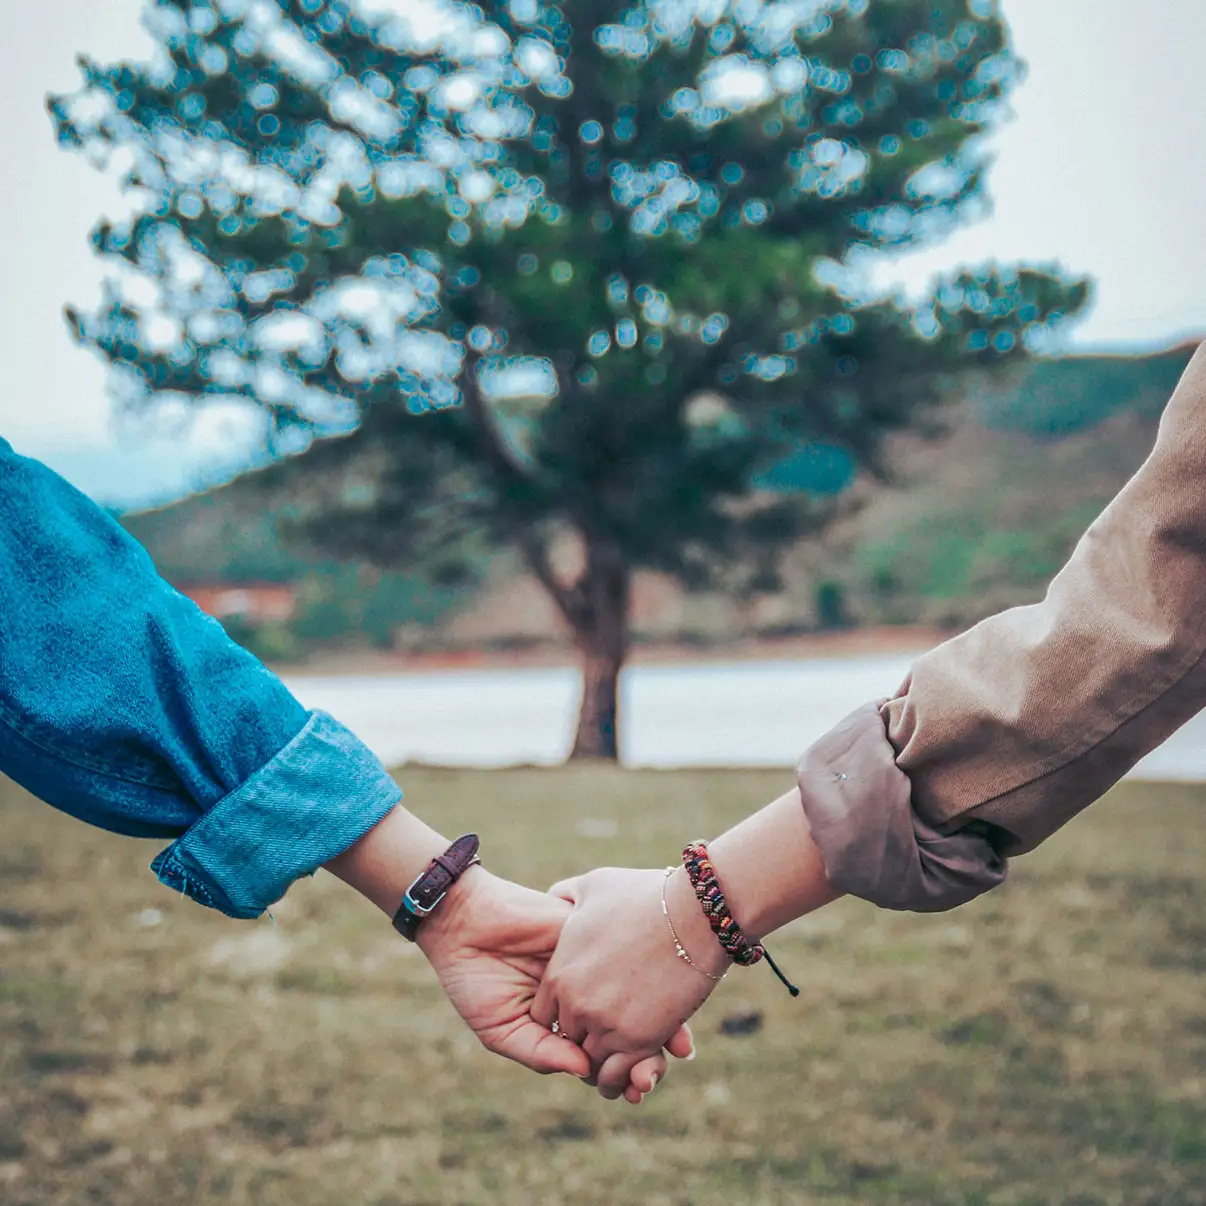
(859, 808)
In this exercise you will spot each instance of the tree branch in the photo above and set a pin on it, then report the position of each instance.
(570, 600)
(513, 471)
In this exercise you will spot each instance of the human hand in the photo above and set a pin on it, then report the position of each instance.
(489, 943)
(615, 984)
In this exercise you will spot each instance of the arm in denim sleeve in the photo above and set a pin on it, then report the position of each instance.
(122, 704)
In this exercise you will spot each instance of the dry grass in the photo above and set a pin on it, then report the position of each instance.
(1045, 1045)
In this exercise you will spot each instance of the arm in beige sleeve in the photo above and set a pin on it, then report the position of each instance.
(1003, 734)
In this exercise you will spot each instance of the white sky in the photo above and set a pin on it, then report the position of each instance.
(1102, 169)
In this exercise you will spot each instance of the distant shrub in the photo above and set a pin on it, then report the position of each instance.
(274, 643)
(830, 602)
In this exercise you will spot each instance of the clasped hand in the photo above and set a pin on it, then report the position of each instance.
(584, 979)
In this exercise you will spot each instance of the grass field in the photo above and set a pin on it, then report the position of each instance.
(1046, 1044)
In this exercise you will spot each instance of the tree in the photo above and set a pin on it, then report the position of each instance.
(384, 219)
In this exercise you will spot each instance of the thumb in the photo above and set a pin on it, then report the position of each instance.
(542, 1051)
(533, 925)
(681, 1044)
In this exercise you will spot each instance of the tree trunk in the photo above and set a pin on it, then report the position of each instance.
(601, 633)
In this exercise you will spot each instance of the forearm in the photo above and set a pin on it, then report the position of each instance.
(770, 868)
(385, 862)
(389, 858)
(121, 703)
(771, 872)
(1032, 715)
(1003, 734)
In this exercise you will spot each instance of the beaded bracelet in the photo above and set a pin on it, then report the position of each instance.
(724, 925)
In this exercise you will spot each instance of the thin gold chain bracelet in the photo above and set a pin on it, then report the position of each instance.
(678, 946)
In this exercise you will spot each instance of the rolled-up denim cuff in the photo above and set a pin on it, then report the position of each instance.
(321, 793)
(874, 845)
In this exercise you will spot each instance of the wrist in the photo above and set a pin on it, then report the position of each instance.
(386, 860)
(464, 900)
(770, 868)
(384, 863)
(692, 927)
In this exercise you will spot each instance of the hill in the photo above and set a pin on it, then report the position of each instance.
(231, 535)
(975, 519)
(983, 519)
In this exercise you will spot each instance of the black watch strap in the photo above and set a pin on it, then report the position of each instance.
(429, 889)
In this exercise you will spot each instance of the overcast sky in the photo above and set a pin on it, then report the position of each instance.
(1102, 169)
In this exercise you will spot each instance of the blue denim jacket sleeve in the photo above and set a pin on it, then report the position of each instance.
(122, 704)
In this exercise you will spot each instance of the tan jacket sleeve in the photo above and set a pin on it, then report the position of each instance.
(1003, 734)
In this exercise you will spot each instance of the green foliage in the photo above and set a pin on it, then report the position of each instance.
(339, 602)
(349, 223)
(814, 468)
(276, 643)
(973, 530)
(942, 564)
(831, 604)
(988, 521)
(354, 217)
(950, 557)
(322, 614)
(933, 558)
(221, 536)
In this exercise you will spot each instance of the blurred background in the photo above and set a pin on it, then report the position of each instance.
(611, 392)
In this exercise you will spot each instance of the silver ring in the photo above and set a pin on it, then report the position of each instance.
(556, 1027)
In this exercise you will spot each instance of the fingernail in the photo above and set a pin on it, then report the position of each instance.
(653, 1079)
(691, 1053)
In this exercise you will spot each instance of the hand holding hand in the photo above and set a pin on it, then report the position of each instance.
(489, 944)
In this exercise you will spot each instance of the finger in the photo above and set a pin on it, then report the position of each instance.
(615, 1073)
(645, 1077)
(682, 1043)
(567, 889)
(599, 1049)
(540, 1049)
(543, 1010)
(570, 1028)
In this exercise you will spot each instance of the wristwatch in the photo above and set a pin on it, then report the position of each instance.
(425, 894)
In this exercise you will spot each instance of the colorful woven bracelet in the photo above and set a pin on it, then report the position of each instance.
(724, 925)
